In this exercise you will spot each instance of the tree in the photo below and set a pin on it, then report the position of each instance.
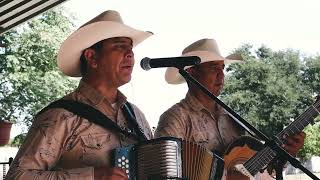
(29, 77)
(312, 143)
(272, 87)
(311, 74)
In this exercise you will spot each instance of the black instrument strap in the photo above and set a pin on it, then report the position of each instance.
(129, 115)
(90, 113)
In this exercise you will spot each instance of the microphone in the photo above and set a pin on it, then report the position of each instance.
(178, 62)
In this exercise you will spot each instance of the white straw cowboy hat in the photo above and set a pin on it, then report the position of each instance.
(106, 25)
(207, 50)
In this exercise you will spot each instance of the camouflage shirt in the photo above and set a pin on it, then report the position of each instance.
(62, 145)
(191, 121)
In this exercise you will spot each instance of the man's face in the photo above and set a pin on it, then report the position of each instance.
(115, 61)
(210, 74)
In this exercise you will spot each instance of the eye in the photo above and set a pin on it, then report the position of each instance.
(124, 47)
(217, 67)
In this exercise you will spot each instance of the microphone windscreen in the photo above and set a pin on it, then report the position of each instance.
(145, 64)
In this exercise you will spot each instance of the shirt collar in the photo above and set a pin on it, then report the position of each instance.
(95, 97)
(194, 103)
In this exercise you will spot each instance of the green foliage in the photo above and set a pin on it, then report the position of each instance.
(18, 140)
(272, 88)
(29, 77)
(311, 74)
(312, 143)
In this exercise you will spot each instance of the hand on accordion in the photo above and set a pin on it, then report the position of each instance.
(107, 173)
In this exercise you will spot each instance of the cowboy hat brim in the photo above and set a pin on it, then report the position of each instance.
(172, 75)
(68, 59)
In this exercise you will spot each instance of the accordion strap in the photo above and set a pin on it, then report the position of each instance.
(129, 115)
(91, 114)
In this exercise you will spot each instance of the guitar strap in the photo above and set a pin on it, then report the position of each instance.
(95, 116)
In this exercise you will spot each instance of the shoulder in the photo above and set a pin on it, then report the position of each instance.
(177, 111)
(54, 117)
(175, 117)
(173, 122)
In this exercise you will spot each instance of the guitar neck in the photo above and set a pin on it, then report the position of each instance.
(263, 157)
(301, 121)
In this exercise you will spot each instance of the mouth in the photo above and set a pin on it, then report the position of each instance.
(127, 67)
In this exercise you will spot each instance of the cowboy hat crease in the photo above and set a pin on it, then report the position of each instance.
(207, 50)
(104, 26)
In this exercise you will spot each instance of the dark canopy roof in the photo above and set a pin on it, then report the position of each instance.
(15, 12)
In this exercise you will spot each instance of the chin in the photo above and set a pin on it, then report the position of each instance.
(125, 81)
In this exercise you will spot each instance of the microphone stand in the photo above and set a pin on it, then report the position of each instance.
(252, 130)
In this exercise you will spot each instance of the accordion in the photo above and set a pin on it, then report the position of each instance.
(168, 158)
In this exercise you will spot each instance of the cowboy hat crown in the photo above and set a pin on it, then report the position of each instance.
(207, 50)
(106, 25)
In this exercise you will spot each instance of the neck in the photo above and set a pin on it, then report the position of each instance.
(108, 91)
(206, 101)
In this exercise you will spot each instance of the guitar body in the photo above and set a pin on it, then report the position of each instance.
(238, 152)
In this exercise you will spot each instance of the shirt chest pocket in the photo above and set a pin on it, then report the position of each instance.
(95, 148)
(95, 141)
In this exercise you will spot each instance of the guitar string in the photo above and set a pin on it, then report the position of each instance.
(304, 118)
(250, 164)
(268, 152)
(253, 165)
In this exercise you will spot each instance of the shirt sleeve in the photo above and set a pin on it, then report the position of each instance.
(171, 124)
(43, 147)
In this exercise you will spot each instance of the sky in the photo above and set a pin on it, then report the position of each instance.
(177, 23)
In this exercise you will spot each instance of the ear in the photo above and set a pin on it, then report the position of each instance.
(90, 56)
(193, 71)
(190, 70)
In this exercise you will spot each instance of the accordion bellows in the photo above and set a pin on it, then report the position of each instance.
(169, 158)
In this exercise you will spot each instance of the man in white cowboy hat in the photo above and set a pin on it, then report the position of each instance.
(65, 145)
(197, 118)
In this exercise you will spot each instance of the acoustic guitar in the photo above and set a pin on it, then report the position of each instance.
(247, 155)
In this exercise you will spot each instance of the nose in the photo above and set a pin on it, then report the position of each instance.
(129, 54)
(220, 74)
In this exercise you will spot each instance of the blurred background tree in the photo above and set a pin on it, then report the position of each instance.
(272, 88)
(29, 77)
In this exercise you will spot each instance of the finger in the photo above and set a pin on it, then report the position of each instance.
(291, 150)
(303, 134)
(119, 171)
(299, 137)
(292, 142)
